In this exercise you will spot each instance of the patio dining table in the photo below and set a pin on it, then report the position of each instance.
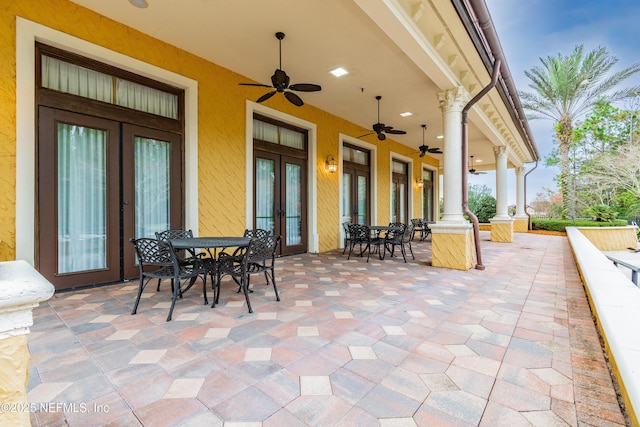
(209, 244)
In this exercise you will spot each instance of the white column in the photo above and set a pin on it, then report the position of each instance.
(452, 102)
(502, 211)
(520, 206)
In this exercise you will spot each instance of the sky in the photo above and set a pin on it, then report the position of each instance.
(532, 29)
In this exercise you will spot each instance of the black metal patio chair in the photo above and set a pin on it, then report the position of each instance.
(361, 235)
(158, 260)
(188, 257)
(399, 239)
(257, 258)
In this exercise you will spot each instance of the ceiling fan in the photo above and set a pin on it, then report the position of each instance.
(472, 171)
(280, 82)
(381, 129)
(424, 149)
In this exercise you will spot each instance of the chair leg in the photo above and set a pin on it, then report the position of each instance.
(404, 254)
(204, 288)
(158, 288)
(176, 292)
(411, 249)
(351, 245)
(273, 282)
(245, 288)
(140, 288)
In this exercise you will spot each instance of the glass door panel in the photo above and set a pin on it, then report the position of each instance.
(293, 211)
(152, 186)
(265, 194)
(362, 213)
(347, 197)
(82, 201)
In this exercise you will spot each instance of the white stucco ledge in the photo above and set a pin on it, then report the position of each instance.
(615, 301)
(451, 227)
(501, 220)
(21, 289)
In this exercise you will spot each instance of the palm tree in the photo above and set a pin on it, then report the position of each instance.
(566, 87)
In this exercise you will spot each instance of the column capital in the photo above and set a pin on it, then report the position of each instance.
(520, 170)
(500, 150)
(453, 99)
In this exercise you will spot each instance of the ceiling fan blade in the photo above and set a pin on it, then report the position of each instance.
(280, 78)
(435, 150)
(422, 153)
(294, 99)
(396, 132)
(366, 134)
(305, 87)
(266, 96)
(253, 84)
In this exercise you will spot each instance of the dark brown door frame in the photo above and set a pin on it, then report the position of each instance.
(46, 259)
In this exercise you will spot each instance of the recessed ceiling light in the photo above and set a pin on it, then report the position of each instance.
(440, 136)
(406, 114)
(479, 160)
(142, 4)
(339, 72)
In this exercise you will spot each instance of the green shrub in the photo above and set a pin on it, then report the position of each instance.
(601, 213)
(560, 224)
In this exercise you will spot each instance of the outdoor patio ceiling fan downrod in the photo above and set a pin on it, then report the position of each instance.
(465, 164)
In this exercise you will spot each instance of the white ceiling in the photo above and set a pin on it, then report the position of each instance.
(320, 35)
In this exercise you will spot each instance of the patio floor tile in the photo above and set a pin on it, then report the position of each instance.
(350, 344)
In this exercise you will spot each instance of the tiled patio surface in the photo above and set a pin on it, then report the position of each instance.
(350, 344)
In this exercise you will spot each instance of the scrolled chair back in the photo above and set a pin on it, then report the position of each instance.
(165, 236)
(256, 233)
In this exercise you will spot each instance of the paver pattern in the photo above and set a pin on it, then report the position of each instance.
(350, 344)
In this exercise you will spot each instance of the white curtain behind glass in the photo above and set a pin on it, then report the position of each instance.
(144, 98)
(265, 196)
(294, 204)
(76, 80)
(81, 198)
(152, 190)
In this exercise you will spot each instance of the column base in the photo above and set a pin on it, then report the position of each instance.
(452, 246)
(501, 230)
(521, 224)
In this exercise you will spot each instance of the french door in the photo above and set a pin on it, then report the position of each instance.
(280, 199)
(355, 195)
(100, 183)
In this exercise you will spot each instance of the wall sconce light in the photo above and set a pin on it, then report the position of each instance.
(331, 165)
(420, 183)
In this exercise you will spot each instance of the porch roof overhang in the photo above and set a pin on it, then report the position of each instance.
(405, 51)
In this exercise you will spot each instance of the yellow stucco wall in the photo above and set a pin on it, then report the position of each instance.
(611, 238)
(221, 124)
(14, 363)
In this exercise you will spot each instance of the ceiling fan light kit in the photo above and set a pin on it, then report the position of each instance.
(280, 82)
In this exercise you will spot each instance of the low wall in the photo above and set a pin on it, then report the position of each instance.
(21, 289)
(611, 238)
(615, 301)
